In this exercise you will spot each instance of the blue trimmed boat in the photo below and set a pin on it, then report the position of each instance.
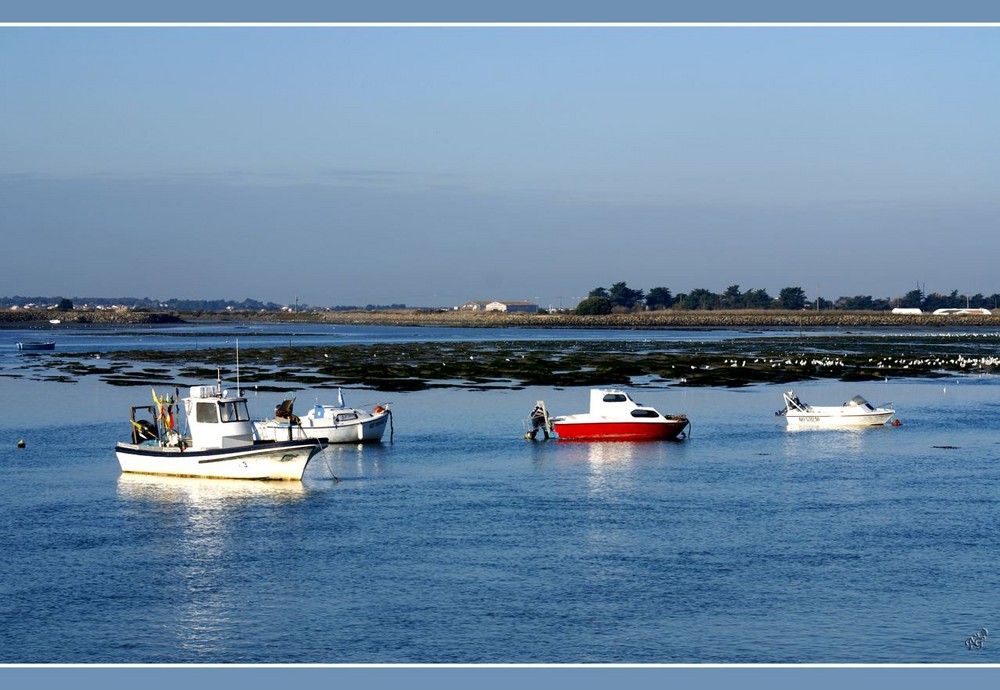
(218, 441)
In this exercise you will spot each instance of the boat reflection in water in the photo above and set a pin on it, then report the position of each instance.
(204, 551)
(205, 493)
(609, 455)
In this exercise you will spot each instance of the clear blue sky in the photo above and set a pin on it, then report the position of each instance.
(431, 166)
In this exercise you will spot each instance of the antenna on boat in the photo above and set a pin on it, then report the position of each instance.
(238, 366)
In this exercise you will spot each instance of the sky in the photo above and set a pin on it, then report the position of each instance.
(432, 166)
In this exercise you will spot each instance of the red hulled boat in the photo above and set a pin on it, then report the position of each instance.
(615, 416)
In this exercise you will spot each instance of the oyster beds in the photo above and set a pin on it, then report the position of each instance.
(566, 363)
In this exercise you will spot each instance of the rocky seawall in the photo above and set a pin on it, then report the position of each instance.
(640, 320)
(27, 318)
(651, 320)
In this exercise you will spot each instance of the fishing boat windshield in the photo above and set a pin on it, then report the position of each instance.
(212, 412)
(234, 411)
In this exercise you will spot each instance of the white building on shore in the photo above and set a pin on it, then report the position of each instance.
(513, 307)
(474, 305)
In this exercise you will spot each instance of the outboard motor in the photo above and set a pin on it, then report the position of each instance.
(284, 411)
(143, 430)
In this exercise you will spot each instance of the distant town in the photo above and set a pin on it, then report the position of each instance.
(616, 299)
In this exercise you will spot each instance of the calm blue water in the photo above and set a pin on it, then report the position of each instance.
(192, 337)
(462, 543)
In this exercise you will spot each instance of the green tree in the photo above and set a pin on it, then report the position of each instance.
(659, 298)
(65, 305)
(914, 299)
(699, 299)
(623, 296)
(856, 303)
(757, 299)
(594, 306)
(731, 298)
(792, 298)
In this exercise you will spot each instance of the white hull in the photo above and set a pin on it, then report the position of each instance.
(854, 413)
(831, 417)
(365, 427)
(260, 461)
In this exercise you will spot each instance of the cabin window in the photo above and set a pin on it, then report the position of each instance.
(614, 397)
(645, 413)
(235, 411)
(207, 413)
(346, 417)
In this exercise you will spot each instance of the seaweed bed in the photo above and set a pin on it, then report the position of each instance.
(516, 364)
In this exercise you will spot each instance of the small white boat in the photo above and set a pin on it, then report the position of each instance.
(962, 312)
(331, 423)
(220, 443)
(615, 416)
(855, 412)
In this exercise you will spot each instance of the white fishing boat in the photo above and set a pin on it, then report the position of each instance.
(855, 412)
(613, 416)
(218, 441)
(331, 423)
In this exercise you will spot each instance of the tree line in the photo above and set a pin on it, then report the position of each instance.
(621, 298)
(186, 305)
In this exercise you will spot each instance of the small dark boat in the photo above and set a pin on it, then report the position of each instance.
(35, 345)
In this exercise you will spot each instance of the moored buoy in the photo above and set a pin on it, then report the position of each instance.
(20, 444)
(896, 422)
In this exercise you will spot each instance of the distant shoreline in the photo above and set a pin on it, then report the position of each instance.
(650, 320)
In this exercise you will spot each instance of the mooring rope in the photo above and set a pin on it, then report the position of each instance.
(326, 461)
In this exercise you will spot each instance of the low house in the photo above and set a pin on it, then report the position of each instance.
(513, 307)
(474, 306)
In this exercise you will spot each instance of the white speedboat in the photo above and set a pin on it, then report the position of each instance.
(331, 423)
(218, 442)
(615, 416)
(855, 412)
